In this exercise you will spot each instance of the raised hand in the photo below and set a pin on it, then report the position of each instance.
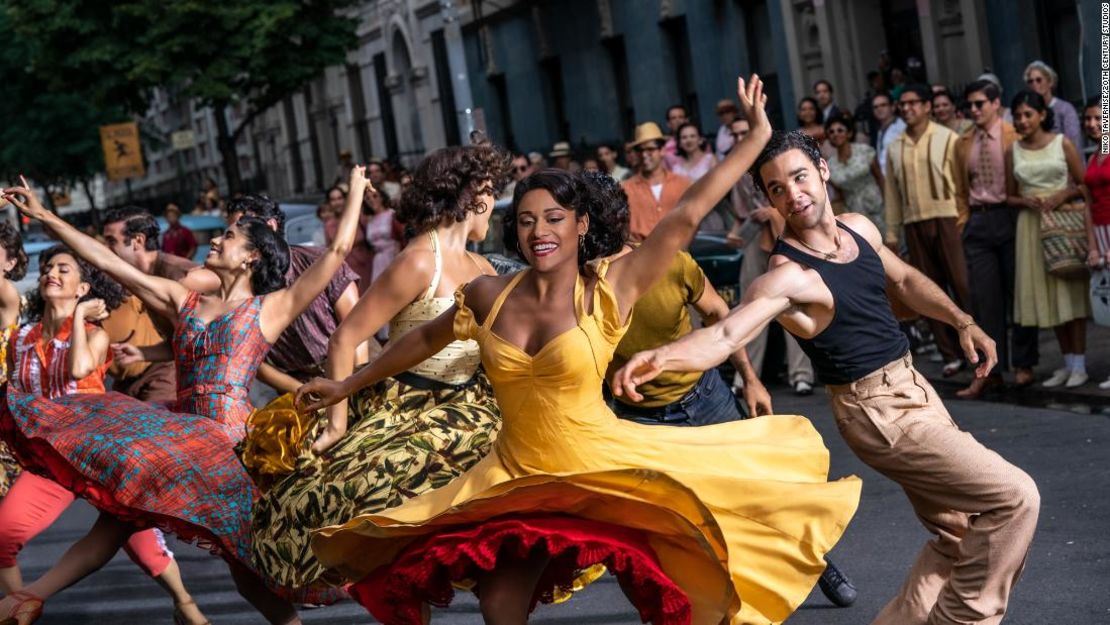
(26, 200)
(753, 103)
(92, 310)
(358, 181)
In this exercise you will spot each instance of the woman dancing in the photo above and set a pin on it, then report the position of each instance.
(62, 352)
(690, 519)
(414, 431)
(143, 465)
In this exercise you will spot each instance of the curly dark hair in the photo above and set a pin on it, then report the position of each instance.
(100, 285)
(780, 143)
(268, 272)
(12, 242)
(446, 185)
(593, 194)
(258, 205)
(1035, 101)
(136, 220)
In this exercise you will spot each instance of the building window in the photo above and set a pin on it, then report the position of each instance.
(618, 63)
(504, 113)
(553, 83)
(358, 108)
(385, 104)
(446, 88)
(677, 49)
(760, 49)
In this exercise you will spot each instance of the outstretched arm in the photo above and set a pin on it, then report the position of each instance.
(280, 308)
(400, 355)
(713, 309)
(766, 298)
(635, 272)
(160, 295)
(400, 284)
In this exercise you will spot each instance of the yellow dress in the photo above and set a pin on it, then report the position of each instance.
(739, 515)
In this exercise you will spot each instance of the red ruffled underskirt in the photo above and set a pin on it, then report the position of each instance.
(424, 572)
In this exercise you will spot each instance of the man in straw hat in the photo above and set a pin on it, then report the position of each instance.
(561, 155)
(653, 190)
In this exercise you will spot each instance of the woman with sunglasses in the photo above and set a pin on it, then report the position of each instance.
(853, 170)
(1042, 79)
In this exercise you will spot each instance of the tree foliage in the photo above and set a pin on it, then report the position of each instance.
(220, 52)
(50, 136)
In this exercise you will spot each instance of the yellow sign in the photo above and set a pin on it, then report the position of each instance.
(123, 154)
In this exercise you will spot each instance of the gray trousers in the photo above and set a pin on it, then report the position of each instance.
(798, 366)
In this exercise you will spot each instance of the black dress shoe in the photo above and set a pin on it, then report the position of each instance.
(836, 586)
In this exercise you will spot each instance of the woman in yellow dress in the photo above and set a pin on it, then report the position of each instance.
(725, 523)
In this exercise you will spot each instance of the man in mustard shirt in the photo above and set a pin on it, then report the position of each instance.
(695, 398)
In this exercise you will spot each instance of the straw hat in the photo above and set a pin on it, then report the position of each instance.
(648, 131)
(561, 148)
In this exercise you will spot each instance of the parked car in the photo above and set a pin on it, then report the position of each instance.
(204, 227)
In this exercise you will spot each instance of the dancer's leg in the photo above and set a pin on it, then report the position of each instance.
(505, 593)
(32, 504)
(148, 549)
(274, 609)
(86, 556)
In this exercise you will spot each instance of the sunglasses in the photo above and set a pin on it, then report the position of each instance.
(521, 168)
(977, 104)
(1034, 80)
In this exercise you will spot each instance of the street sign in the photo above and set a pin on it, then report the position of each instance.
(183, 139)
(123, 154)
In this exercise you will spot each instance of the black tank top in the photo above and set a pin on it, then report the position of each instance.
(863, 335)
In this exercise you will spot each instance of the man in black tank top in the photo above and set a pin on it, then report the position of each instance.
(827, 285)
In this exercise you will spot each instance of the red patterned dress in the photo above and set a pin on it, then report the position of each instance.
(152, 466)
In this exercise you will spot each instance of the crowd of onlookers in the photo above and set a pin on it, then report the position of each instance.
(990, 197)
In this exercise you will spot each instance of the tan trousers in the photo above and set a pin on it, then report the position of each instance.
(982, 509)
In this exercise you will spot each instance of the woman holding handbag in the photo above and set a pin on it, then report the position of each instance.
(1044, 177)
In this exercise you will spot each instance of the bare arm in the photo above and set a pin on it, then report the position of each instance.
(892, 197)
(1077, 188)
(713, 309)
(766, 298)
(400, 284)
(201, 280)
(923, 295)
(88, 348)
(280, 308)
(635, 272)
(9, 303)
(400, 355)
(343, 307)
(126, 354)
(277, 379)
(1013, 197)
(160, 295)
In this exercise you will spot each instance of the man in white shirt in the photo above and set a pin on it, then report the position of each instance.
(890, 126)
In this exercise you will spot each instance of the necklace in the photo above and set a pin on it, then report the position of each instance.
(828, 255)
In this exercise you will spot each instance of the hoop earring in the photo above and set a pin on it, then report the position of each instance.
(582, 240)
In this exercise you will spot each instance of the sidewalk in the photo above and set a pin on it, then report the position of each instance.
(1098, 367)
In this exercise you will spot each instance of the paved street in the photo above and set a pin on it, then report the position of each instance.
(1065, 582)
